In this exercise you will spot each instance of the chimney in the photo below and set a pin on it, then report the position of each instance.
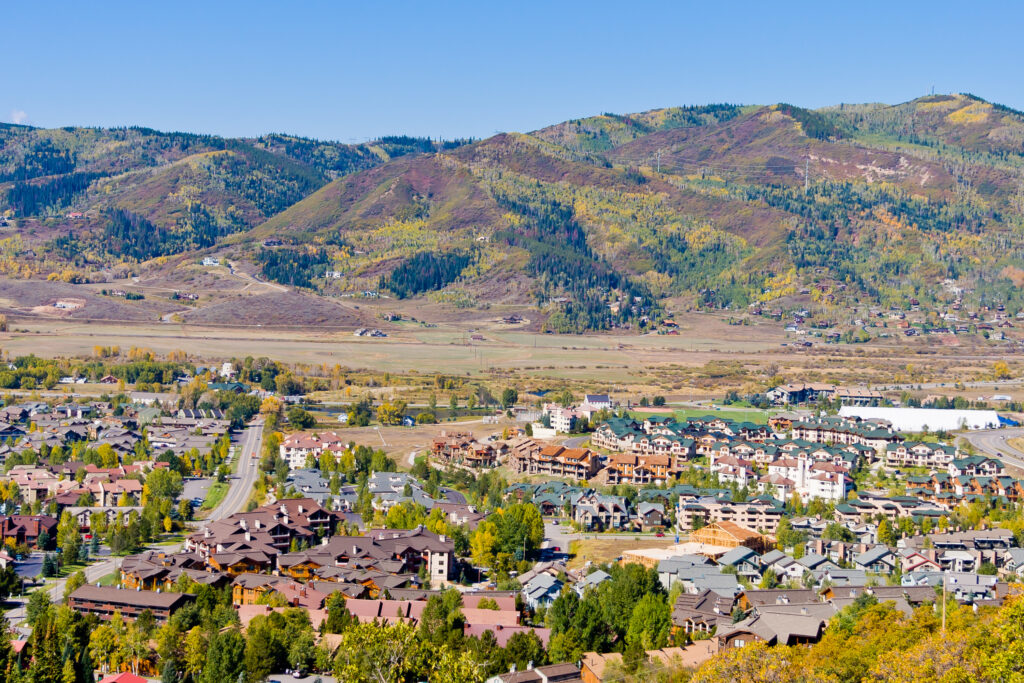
(248, 536)
(243, 523)
(301, 509)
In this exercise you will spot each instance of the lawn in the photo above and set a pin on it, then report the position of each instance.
(108, 580)
(737, 414)
(215, 495)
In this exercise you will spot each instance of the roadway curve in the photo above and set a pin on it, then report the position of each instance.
(993, 442)
(241, 485)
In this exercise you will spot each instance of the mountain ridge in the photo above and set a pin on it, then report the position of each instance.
(603, 219)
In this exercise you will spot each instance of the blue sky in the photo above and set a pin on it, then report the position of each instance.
(353, 71)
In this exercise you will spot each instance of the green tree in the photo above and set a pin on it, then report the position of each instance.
(300, 418)
(10, 582)
(302, 652)
(565, 647)
(266, 649)
(224, 657)
(338, 616)
(372, 653)
(68, 536)
(38, 605)
(519, 528)
(886, 534)
(835, 531)
(508, 398)
(74, 582)
(164, 483)
(523, 648)
(650, 623)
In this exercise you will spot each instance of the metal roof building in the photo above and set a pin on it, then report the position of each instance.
(932, 419)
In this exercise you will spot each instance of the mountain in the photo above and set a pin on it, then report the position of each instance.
(601, 222)
(94, 195)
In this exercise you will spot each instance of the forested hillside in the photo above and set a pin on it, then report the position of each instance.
(597, 221)
(108, 195)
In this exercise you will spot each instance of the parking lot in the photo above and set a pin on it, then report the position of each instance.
(196, 487)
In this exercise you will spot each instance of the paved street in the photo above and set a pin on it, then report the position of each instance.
(993, 442)
(250, 440)
(248, 451)
(31, 567)
(576, 441)
(558, 535)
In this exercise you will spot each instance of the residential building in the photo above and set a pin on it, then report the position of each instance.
(103, 601)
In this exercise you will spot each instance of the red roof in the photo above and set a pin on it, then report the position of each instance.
(126, 677)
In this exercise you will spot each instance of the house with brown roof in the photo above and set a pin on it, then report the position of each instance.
(556, 461)
(773, 628)
(103, 601)
(270, 530)
(26, 528)
(554, 673)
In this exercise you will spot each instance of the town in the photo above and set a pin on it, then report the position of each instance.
(157, 511)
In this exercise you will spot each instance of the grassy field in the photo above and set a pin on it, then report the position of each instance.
(215, 495)
(707, 359)
(737, 414)
(600, 549)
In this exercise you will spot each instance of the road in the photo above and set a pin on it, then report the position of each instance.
(247, 472)
(250, 439)
(993, 442)
(559, 536)
(575, 442)
(983, 384)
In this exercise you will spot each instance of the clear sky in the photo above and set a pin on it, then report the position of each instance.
(353, 71)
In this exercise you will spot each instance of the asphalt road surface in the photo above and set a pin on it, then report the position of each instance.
(993, 442)
(196, 487)
(247, 472)
(250, 440)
